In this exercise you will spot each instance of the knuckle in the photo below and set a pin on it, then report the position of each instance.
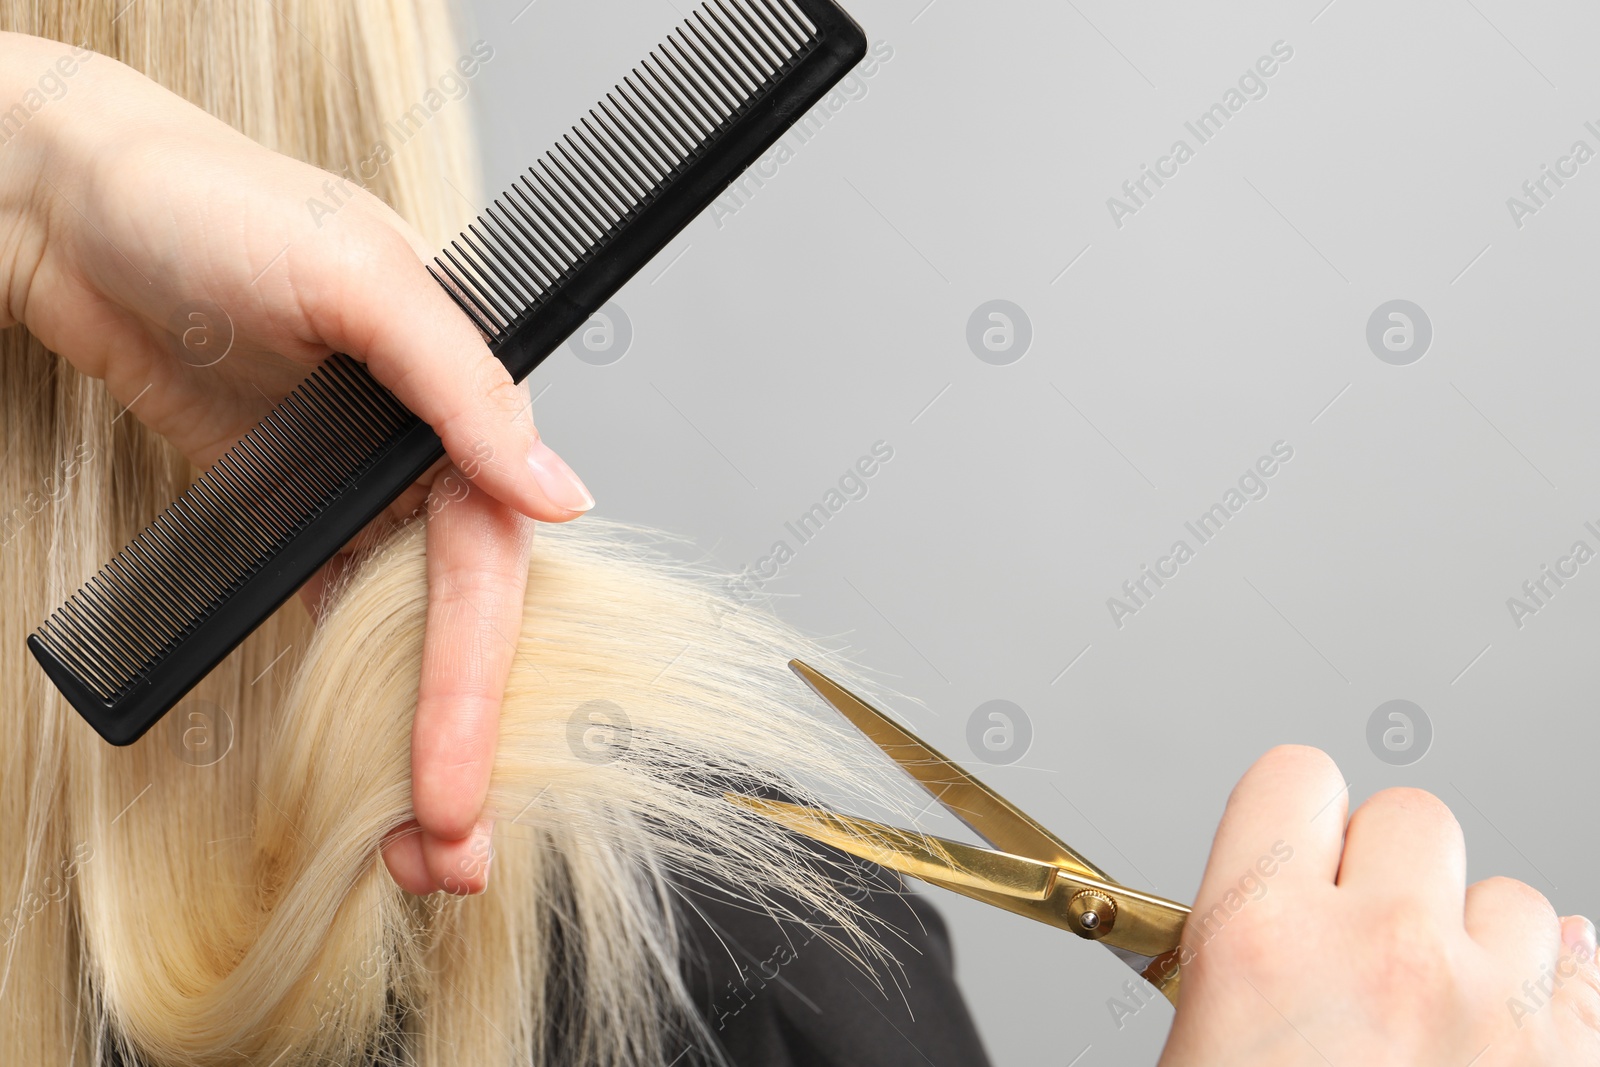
(368, 249)
(463, 690)
(1300, 762)
(1294, 755)
(493, 382)
(376, 233)
(466, 703)
(1410, 799)
(1419, 806)
(1284, 763)
(485, 545)
(481, 586)
(1511, 894)
(372, 207)
(505, 395)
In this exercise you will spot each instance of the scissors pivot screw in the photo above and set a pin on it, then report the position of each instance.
(1092, 913)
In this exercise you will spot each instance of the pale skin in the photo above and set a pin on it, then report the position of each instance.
(1367, 947)
(119, 204)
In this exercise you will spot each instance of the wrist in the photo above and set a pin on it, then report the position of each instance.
(36, 81)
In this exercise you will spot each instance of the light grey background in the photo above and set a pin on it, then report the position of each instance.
(772, 350)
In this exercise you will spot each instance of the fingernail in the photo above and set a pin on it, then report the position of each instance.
(483, 846)
(557, 480)
(1578, 934)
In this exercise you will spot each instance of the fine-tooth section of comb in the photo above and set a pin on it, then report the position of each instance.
(600, 204)
(618, 158)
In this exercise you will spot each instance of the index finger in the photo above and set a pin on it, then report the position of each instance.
(1289, 809)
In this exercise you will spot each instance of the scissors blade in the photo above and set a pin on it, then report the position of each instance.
(985, 812)
(1147, 928)
(952, 864)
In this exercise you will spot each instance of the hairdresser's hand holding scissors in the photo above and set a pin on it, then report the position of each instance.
(1313, 943)
(159, 249)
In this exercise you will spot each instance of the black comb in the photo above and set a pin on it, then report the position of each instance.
(596, 208)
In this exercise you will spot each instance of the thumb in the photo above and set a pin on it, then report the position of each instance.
(419, 344)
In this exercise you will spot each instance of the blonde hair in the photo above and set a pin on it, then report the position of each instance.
(238, 911)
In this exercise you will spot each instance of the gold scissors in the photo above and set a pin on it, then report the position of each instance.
(1029, 871)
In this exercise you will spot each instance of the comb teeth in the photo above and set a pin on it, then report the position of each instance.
(156, 590)
(619, 158)
(531, 269)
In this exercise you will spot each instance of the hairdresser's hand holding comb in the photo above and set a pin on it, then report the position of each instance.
(160, 250)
